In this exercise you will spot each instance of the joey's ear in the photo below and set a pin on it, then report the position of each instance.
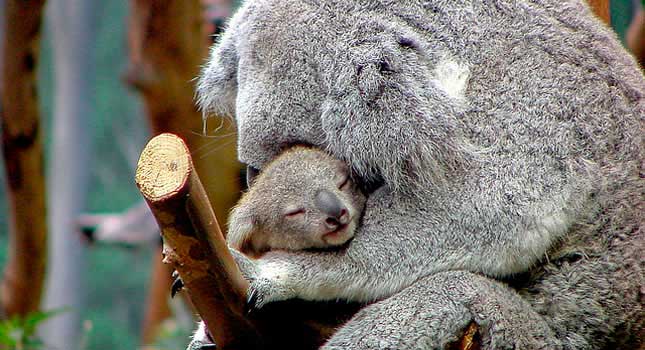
(241, 225)
(217, 84)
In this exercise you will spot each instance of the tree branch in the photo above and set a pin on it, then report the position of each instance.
(193, 242)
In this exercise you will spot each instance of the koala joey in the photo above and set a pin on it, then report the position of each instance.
(303, 199)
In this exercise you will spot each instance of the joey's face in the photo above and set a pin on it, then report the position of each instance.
(316, 202)
(303, 199)
(325, 214)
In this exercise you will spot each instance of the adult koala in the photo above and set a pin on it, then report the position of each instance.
(501, 140)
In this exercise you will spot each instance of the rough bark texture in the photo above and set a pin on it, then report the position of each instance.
(601, 9)
(194, 245)
(470, 339)
(167, 46)
(22, 145)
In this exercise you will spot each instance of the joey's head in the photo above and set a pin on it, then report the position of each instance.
(302, 199)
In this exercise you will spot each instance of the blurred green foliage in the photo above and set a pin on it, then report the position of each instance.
(19, 333)
(117, 277)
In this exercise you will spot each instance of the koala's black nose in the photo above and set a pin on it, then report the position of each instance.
(330, 205)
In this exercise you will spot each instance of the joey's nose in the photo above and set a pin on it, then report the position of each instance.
(330, 205)
(334, 223)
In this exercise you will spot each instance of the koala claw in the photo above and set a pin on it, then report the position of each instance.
(252, 301)
(263, 291)
(177, 286)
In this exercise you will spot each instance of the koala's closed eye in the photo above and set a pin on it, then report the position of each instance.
(251, 174)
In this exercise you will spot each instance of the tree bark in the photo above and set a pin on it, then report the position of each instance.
(193, 243)
(73, 30)
(22, 145)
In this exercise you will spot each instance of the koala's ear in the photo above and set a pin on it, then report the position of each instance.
(217, 84)
(241, 225)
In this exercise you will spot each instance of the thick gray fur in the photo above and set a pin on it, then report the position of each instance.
(508, 135)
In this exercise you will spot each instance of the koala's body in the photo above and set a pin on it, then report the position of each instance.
(504, 140)
(303, 199)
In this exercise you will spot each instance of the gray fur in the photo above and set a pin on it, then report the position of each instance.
(282, 210)
(508, 135)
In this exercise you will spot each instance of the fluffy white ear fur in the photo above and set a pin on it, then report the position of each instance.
(217, 94)
(240, 227)
(217, 85)
(452, 77)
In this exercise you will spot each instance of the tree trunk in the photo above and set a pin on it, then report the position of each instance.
(73, 38)
(168, 44)
(22, 144)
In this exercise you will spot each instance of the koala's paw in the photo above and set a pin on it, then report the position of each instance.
(196, 345)
(272, 284)
(247, 266)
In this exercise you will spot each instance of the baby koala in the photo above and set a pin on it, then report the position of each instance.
(303, 199)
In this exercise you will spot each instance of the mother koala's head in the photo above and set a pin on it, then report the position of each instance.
(348, 80)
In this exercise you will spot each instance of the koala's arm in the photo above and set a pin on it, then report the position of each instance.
(434, 311)
(402, 239)
(378, 262)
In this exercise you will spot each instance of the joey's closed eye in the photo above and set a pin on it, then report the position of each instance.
(294, 212)
(342, 184)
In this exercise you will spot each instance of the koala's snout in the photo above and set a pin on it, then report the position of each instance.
(330, 205)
